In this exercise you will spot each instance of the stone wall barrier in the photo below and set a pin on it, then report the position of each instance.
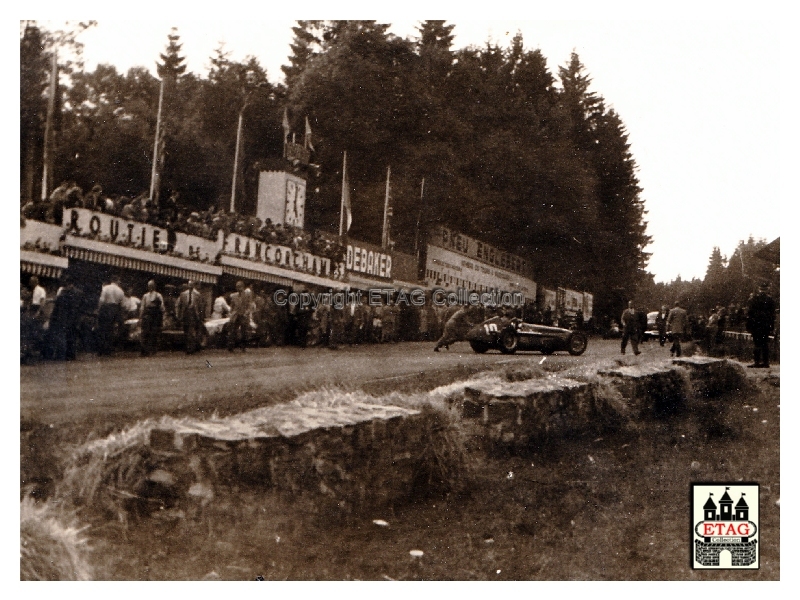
(352, 452)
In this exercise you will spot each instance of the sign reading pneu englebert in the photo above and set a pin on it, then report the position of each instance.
(451, 270)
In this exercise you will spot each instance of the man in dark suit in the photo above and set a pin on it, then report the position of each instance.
(630, 328)
(239, 323)
(661, 324)
(190, 311)
(760, 324)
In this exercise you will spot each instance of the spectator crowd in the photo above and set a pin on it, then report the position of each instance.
(72, 320)
(175, 216)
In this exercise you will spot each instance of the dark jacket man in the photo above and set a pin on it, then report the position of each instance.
(760, 324)
(190, 311)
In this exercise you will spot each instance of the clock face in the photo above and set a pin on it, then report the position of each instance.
(300, 204)
(291, 199)
(295, 203)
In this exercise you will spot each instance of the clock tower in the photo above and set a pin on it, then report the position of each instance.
(281, 198)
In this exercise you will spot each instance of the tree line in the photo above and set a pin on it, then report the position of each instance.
(531, 161)
(729, 280)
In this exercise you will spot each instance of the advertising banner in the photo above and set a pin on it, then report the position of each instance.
(368, 259)
(443, 237)
(452, 271)
(283, 256)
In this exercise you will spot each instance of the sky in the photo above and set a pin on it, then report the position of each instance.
(701, 100)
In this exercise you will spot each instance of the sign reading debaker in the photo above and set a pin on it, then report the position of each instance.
(368, 259)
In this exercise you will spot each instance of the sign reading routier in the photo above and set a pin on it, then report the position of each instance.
(468, 246)
(369, 260)
(133, 235)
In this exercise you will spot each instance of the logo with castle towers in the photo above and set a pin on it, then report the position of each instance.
(725, 532)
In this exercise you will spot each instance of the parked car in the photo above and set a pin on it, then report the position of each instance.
(512, 335)
(214, 334)
(651, 331)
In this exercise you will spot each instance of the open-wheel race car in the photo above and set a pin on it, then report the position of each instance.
(511, 335)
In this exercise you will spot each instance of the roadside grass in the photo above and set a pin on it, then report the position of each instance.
(52, 546)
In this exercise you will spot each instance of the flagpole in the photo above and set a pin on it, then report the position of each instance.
(419, 217)
(344, 183)
(385, 236)
(154, 173)
(48, 128)
(236, 157)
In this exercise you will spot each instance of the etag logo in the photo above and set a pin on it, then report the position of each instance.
(725, 527)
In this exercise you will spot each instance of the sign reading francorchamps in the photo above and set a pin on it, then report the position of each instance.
(452, 271)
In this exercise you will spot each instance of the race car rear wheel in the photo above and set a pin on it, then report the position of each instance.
(577, 344)
(508, 341)
(479, 347)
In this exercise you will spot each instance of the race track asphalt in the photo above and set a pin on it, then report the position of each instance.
(127, 387)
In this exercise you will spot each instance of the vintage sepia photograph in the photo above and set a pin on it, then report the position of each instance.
(469, 299)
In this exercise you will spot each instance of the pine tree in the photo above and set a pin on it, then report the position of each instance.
(33, 76)
(171, 65)
(305, 45)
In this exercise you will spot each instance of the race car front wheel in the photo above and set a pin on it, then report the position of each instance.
(577, 344)
(479, 347)
(508, 342)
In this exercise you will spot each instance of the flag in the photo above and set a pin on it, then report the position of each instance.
(346, 213)
(286, 127)
(308, 136)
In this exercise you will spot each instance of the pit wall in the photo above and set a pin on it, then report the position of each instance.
(351, 453)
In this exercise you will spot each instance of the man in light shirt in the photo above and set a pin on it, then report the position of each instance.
(38, 296)
(109, 316)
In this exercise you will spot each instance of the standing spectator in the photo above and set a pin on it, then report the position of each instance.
(579, 320)
(377, 323)
(130, 306)
(58, 199)
(65, 321)
(299, 322)
(74, 196)
(38, 296)
(547, 316)
(661, 324)
(191, 313)
(761, 324)
(239, 323)
(93, 199)
(677, 320)
(711, 330)
(338, 326)
(722, 324)
(323, 317)
(630, 328)
(221, 308)
(109, 316)
(151, 318)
